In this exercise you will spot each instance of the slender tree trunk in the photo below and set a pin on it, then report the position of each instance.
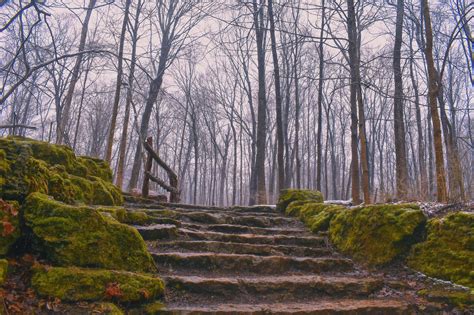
(399, 124)
(128, 101)
(278, 101)
(61, 135)
(352, 36)
(118, 85)
(260, 194)
(320, 99)
(433, 93)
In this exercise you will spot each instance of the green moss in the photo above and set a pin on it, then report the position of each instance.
(448, 252)
(107, 308)
(294, 207)
(30, 166)
(153, 308)
(289, 195)
(77, 284)
(9, 226)
(127, 216)
(321, 220)
(458, 298)
(377, 234)
(3, 271)
(81, 236)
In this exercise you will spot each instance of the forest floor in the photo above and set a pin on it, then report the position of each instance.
(250, 260)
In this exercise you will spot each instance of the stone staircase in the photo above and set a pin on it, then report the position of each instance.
(253, 260)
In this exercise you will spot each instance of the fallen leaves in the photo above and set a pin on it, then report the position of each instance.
(113, 290)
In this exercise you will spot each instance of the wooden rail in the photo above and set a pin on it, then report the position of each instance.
(172, 187)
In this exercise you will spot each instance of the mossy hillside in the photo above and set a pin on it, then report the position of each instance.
(377, 234)
(78, 284)
(448, 252)
(9, 226)
(81, 236)
(34, 166)
(289, 195)
(3, 271)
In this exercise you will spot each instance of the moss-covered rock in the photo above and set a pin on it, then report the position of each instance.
(3, 271)
(9, 226)
(78, 284)
(294, 207)
(377, 234)
(289, 195)
(448, 252)
(28, 166)
(320, 221)
(81, 236)
(134, 217)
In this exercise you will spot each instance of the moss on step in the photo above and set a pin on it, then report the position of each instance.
(459, 298)
(78, 284)
(107, 308)
(378, 234)
(9, 225)
(134, 217)
(448, 252)
(28, 166)
(81, 236)
(289, 195)
(3, 271)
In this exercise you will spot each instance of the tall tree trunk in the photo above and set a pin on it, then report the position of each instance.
(399, 124)
(433, 93)
(278, 101)
(260, 193)
(352, 36)
(320, 99)
(61, 135)
(118, 85)
(128, 101)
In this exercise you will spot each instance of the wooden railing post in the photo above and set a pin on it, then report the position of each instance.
(148, 165)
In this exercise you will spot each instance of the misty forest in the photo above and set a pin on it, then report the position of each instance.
(236, 157)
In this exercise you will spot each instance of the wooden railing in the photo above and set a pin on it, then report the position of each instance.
(172, 187)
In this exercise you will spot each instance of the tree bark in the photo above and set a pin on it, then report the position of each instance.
(433, 93)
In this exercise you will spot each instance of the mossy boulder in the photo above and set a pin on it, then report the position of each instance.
(9, 226)
(3, 271)
(289, 195)
(319, 221)
(294, 207)
(77, 284)
(81, 236)
(134, 217)
(28, 166)
(448, 252)
(107, 308)
(378, 234)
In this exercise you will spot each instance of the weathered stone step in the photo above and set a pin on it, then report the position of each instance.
(164, 205)
(296, 286)
(252, 264)
(219, 218)
(243, 229)
(238, 248)
(158, 231)
(277, 239)
(342, 306)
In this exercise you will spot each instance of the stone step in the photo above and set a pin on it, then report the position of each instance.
(164, 205)
(238, 248)
(277, 239)
(331, 306)
(158, 231)
(177, 262)
(277, 287)
(243, 229)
